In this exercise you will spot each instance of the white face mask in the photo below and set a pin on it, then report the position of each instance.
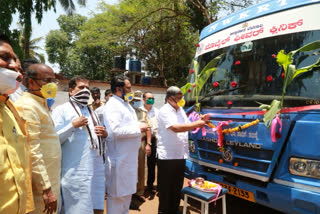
(8, 81)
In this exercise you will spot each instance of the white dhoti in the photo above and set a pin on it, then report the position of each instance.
(118, 205)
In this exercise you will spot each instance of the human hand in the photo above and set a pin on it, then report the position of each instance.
(148, 150)
(79, 122)
(100, 131)
(205, 117)
(50, 201)
(143, 127)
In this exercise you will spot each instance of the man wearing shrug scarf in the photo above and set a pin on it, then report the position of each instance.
(82, 138)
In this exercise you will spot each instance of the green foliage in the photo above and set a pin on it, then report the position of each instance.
(286, 60)
(273, 110)
(25, 9)
(201, 78)
(156, 32)
(205, 12)
(74, 57)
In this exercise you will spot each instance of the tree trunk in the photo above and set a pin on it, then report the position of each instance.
(27, 29)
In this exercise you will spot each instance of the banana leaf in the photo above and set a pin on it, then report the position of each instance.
(274, 109)
(305, 69)
(308, 47)
(205, 74)
(185, 88)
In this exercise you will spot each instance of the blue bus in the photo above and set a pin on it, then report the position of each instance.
(283, 174)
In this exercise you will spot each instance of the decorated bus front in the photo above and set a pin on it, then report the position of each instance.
(256, 72)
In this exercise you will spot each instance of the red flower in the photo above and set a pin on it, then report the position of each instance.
(198, 45)
(278, 135)
(234, 84)
(274, 56)
(237, 62)
(189, 90)
(191, 71)
(282, 75)
(215, 84)
(269, 78)
(194, 85)
(229, 103)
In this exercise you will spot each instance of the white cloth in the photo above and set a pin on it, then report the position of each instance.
(118, 205)
(82, 173)
(123, 143)
(99, 111)
(171, 145)
(153, 117)
(18, 93)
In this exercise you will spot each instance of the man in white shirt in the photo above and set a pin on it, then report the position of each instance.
(172, 149)
(148, 99)
(123, 143)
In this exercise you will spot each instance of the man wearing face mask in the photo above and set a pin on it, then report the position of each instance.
(123, 143)
(44, 141)
(15, 177)
(152, 112)
(172, 149)
(22, 88)
(144, 149)
(82, 137)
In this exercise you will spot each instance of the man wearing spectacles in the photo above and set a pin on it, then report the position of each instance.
(15, 177)
(44, 141)
(18, 93)
(148, 99)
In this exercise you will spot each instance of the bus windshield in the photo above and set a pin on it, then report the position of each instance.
(248, 73)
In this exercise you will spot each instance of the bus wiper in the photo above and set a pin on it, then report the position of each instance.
(221, 92)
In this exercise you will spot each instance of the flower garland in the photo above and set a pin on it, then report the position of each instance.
(230, 130)
(240, 128)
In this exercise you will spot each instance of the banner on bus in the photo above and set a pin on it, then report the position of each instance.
(286, 22)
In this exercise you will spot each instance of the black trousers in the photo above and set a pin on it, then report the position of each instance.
(170, 175)
(151, 163)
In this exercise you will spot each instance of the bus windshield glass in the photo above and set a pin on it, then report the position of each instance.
(248, 73)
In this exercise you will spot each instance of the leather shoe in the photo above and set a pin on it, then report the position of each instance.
(133, 206)
(151, 189)
(141, 198)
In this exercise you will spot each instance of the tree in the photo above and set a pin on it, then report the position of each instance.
(33, 47)
(74, 57)
(205, 12)
(157, 32)
(25, 9)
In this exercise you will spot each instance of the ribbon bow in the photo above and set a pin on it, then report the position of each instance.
(218, 129)
(194, 116)
(274, 124)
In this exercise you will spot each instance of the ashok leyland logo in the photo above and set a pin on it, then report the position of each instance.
(227, 155)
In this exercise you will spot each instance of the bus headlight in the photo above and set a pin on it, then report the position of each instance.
(304, 167)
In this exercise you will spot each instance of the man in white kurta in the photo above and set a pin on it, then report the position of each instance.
(123, 142)
(82, 176)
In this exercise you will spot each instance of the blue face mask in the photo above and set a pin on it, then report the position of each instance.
(136, 104)
(50, 102)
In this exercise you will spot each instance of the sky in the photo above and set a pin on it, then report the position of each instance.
(49, 22)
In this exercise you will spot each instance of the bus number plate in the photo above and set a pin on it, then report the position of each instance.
(238, 192)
